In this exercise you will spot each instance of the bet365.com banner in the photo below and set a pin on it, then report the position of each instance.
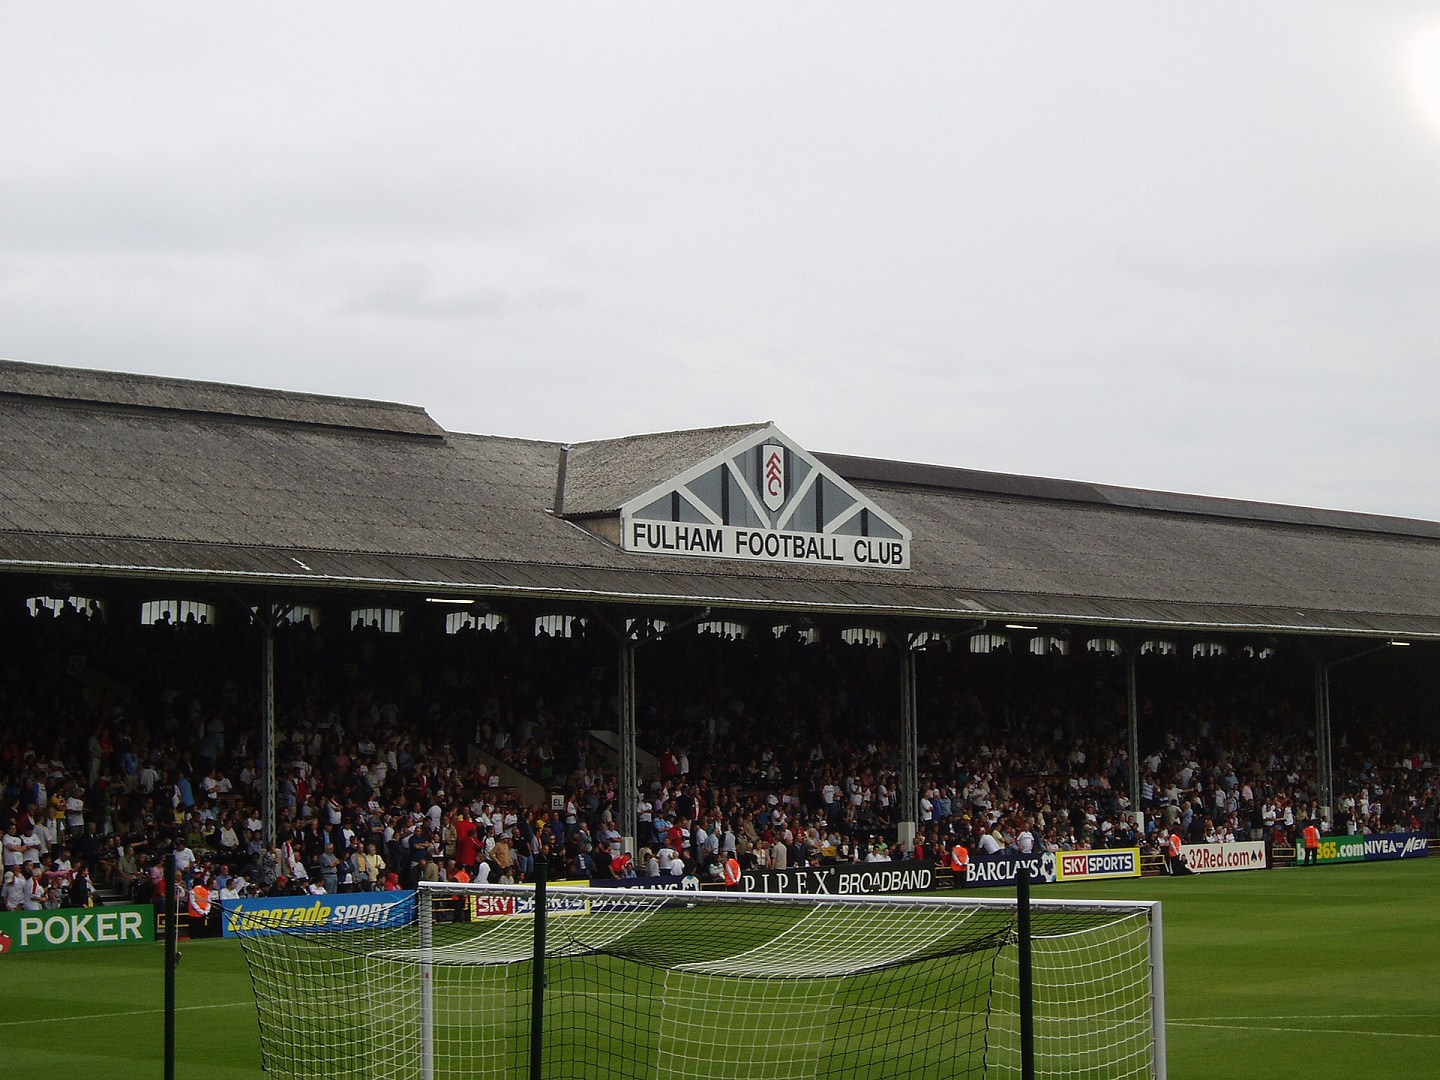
(76, 928)
(1338, 849)
(1376, 846)
(340, 911)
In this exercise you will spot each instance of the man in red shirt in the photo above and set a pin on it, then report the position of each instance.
(467, 843)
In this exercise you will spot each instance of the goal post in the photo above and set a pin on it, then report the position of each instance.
(654, 985)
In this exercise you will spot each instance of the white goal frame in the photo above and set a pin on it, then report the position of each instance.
(560, 898)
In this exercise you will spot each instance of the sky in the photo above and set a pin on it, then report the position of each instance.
(1189, 247)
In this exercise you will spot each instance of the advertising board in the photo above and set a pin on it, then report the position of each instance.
(1003, 867)
(340, 911)
(1340, 849)
(492, 906)
(1405, 845)
(664, 883)
(846, 879)
(1097, 865)
(76, 928)
(1218, 858)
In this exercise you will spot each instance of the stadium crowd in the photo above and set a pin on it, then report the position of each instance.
(120, 743)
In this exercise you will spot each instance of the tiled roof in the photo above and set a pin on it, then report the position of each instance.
(128, 477)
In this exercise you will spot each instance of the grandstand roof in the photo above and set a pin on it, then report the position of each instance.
(129, 476)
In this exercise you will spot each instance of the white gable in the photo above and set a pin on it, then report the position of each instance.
(764, 498)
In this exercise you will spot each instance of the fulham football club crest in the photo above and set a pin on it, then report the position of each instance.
(764, 498)
(772, 475)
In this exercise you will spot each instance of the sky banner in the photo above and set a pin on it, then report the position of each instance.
(1095, 865)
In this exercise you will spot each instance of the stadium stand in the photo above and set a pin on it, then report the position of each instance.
(390, 741)
(153, 528)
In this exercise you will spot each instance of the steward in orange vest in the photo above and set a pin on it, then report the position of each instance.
(732, 871)
(1312, 844)
(960, 862)
(199, 910)
(1173, 863)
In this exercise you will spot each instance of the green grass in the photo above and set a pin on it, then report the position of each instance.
(1328, 972)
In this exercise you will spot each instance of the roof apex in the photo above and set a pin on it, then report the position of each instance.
(600, 477)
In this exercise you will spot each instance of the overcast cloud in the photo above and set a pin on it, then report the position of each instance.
(1189, 247)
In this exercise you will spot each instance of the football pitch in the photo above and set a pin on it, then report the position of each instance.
(1323, 972)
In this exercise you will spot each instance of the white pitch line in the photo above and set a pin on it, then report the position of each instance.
(1315, 1016)
(134, 1012)
(1256, 1027)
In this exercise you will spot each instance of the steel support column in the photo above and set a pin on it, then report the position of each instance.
(1324, 746)
(269, 813)
(908, 797)
(628, 782)
(1132, 712)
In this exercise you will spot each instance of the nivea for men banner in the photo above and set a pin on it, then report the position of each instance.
(1396, 845)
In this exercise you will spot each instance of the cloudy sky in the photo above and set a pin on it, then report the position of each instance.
(1188, 247)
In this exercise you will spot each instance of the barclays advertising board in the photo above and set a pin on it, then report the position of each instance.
(1003, 868)
(664, 883)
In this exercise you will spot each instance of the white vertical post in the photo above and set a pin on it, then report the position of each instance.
(423, 897)
(1157, 989)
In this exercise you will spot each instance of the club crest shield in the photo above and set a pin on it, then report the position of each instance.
(772, 475)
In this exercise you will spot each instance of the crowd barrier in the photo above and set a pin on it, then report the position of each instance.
(133, 923)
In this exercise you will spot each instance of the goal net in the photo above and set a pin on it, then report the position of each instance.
(654, 985)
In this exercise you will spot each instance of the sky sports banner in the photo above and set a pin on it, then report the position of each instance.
(1003, 868)
(1098, 865)
(341, 911)
(1218, 858)
(509, 905)
(1338, 849)
(848, 879)
(77, 928)
(1400, 845)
